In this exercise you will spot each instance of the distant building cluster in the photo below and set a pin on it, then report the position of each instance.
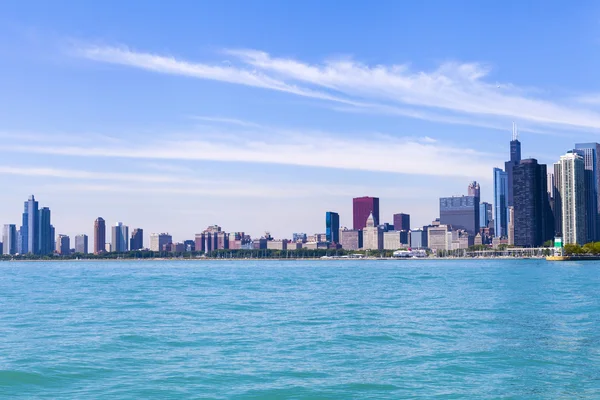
(531, 205)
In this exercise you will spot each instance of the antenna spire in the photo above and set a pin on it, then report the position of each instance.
(515, 132)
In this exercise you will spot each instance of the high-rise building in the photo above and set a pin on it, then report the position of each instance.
(9, 239)
(533, 223)
(437, 237)
(418, 239)
(474, 190)
(591, 158)
(401, 222)
(461, 212)
(63, 245)
(120, 236)
(351, 239)
(362, 207)
(500, 203)
(81, 244)
(515, 159)
(332, 227)
(99, 236)
(393, 240)
(29, 229)
(372, 235)
(569, 176)
(45, 232)
(137, 239)
(159, 240)
(485, 214)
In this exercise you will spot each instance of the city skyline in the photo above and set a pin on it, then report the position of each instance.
(184, 119)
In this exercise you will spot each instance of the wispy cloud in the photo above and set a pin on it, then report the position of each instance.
(231, 121)
(453, 89)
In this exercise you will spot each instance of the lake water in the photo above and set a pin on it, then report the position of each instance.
(522, 329)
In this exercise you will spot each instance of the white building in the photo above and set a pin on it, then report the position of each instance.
(158, 240)
(437, 237)
(372, 235)
(392, 241)
(571, 181)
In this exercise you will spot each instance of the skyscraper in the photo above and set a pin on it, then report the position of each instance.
(9, 239)
(45, 232)
(569, 175)
(120, 236)
(485, 214)
(99, 236)
(159, 240)
(30, 227)
(362, 207)
(591, 158)
(63, 245)
(137, 239)
(332, 227)
(401, 222)
(372, 235)
(474, 190)
(515, 159)
(500, 203)
(81, 244)
(532, 221)
(461, 213)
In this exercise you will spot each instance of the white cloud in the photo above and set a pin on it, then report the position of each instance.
(453, 88)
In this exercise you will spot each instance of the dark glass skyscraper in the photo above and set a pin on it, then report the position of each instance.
(515, 159)
(362, 207)
(533, 223)
(99, 236)
(401, 222)
(46, 232)
(137, 239)
(591, 156)
(500, 200)
(332, 227)
(30, 227)
(485, 214)
(460, 212)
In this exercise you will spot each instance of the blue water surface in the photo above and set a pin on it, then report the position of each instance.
(522, 329)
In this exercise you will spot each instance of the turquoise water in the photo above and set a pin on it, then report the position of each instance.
(300, 330)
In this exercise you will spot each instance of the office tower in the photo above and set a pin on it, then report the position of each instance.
(392, 240)
(437, 237)
(372, 235)
(461, 213)
(99, 236)
(402, 222)
(332, 227)
(569, 176)
(120, 236)
(532, 222)
(9, 239)
(159, 240)
(351, 239)
(500, 203)
(30, 227)
(362, 207)
(137, 239)
(515, 159)
(474, 190)
(81, 244)
(485, 214)
(45, 232)
(418, 239)
(63, 245)
(591, 158)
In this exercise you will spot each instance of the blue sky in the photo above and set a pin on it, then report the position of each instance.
(263, 115)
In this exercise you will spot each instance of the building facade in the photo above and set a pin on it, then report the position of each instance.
(569, 174)
(99, 235)
(591, 158)
(515, 159)
(137, 239)
(29, 229)
(81, 244)
(45, 232)
(9, 239)
(474, 190)
(418, 239)
(63, 245)
(437, 237)
(485, 215)
(401, 222)
(120, 237)
(372, 235)
(351, 239)
(461, 213)
(332, 227)
(500, 202)
(362, 207)
(159, 240)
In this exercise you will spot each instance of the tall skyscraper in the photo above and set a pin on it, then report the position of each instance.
(120, 237)
(99, 236)
(569, 175)
(401, 222)
(532, 222)
(9, 239)
(515, 159)
(332, 227)
(63, 245)
(45, 232)
(137, 239)
(485, 214)
(81, 244)
(362, 207)
(500, 203)
(30, 227)
(591, 158)
(461, 213)
(474, 190)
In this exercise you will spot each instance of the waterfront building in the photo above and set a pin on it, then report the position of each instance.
(437, 237)
(485, 215)
(63, 245)
(474, 190)
(533, 223)
(137, 239)
(461, 212)
(418, 239)
(478, 241)
(158, 240)
(591, 158)
(30, 228)
(9, 239)
(81, 244)
(515, 159)
(99, 236)
(569, 175)
(500, 203)
(351, 239)
(189, 245)
(277, 244)
(391, 240)
(372, 235)
(401, 222)
(315, 245)
(259, 244)
(461, 240)
(120, 236)
(45, 232)
(511, 226)
(332, 227)
(362, 208)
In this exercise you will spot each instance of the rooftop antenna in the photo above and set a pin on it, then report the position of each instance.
(515, 133)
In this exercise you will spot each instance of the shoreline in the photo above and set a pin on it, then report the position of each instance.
(276, 259)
